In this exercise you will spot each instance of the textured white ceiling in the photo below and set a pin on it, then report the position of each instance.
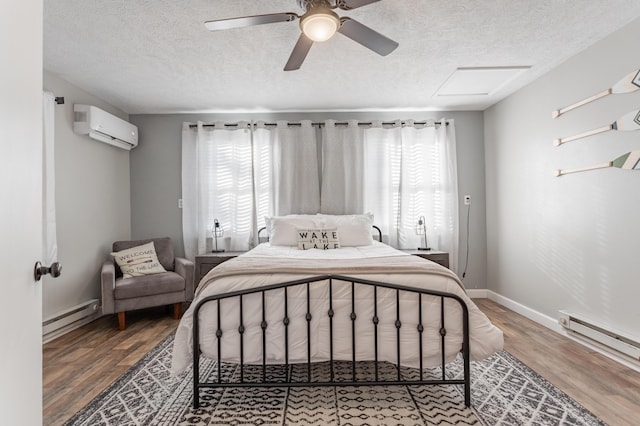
(155, 56)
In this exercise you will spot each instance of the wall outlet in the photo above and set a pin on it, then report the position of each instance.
(179, 203)
(467, 200)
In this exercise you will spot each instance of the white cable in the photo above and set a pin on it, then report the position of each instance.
(466, 262)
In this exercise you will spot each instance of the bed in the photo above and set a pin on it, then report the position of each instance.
(281, 305)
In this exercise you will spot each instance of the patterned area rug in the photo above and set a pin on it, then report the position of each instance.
(504, 392)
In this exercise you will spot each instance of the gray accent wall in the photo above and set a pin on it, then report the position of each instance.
(156, 173)
(567, 242)
(93, 206)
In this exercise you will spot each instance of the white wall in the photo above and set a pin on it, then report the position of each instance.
(566, 242)
(156, 173)
(93, 202)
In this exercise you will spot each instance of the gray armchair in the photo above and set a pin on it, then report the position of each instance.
(173, 287)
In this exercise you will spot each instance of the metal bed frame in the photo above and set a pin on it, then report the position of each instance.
(333, 280)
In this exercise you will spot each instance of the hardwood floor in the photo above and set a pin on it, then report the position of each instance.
(606, 388)
(79, 365)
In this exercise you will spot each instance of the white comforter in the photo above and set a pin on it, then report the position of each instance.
(266, 265)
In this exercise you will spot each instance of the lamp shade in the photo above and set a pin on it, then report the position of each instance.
(320, 25)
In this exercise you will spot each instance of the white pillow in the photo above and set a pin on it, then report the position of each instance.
(138, 261)
(323, 239)
(353, 229)
(283, 230)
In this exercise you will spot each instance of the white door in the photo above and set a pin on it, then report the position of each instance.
(20, 211)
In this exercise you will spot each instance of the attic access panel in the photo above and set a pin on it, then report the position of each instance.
(485, 81)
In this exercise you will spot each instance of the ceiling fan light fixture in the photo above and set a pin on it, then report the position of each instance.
(320, 24)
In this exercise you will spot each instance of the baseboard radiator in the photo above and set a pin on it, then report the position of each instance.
(65, 320)
(600, 334)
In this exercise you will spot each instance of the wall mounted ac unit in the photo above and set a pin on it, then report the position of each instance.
(105, 127)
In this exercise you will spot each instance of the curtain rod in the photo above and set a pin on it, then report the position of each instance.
(337, 123)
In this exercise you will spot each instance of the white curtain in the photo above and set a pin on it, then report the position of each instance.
(342, 168)
(239, 175)
(50, 241)
(296, 184)
(216, 184)
(410, 171)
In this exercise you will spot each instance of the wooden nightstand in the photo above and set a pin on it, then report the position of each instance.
(441, 257)
(207, 261)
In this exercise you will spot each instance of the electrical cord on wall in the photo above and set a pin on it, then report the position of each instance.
(466, 262)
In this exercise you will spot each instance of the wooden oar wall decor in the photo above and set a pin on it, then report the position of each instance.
(630, 83)
(629, 121)
(628, 161)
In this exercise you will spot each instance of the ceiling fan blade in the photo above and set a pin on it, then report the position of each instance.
(367, 37)
(299, 53)
(247, 21)
(354, 4)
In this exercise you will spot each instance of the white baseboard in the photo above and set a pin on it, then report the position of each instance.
(527, 312)
(552, 324)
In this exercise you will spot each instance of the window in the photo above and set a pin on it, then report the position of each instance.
(398, 173)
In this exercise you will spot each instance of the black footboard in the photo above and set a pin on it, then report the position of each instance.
(262, 380)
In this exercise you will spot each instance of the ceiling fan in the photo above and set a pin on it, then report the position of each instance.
(318, 23)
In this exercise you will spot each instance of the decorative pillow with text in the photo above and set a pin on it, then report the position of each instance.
(282, 230)
(138, 261)
(322, 239)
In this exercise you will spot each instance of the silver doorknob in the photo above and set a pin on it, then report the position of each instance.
(55, 270)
